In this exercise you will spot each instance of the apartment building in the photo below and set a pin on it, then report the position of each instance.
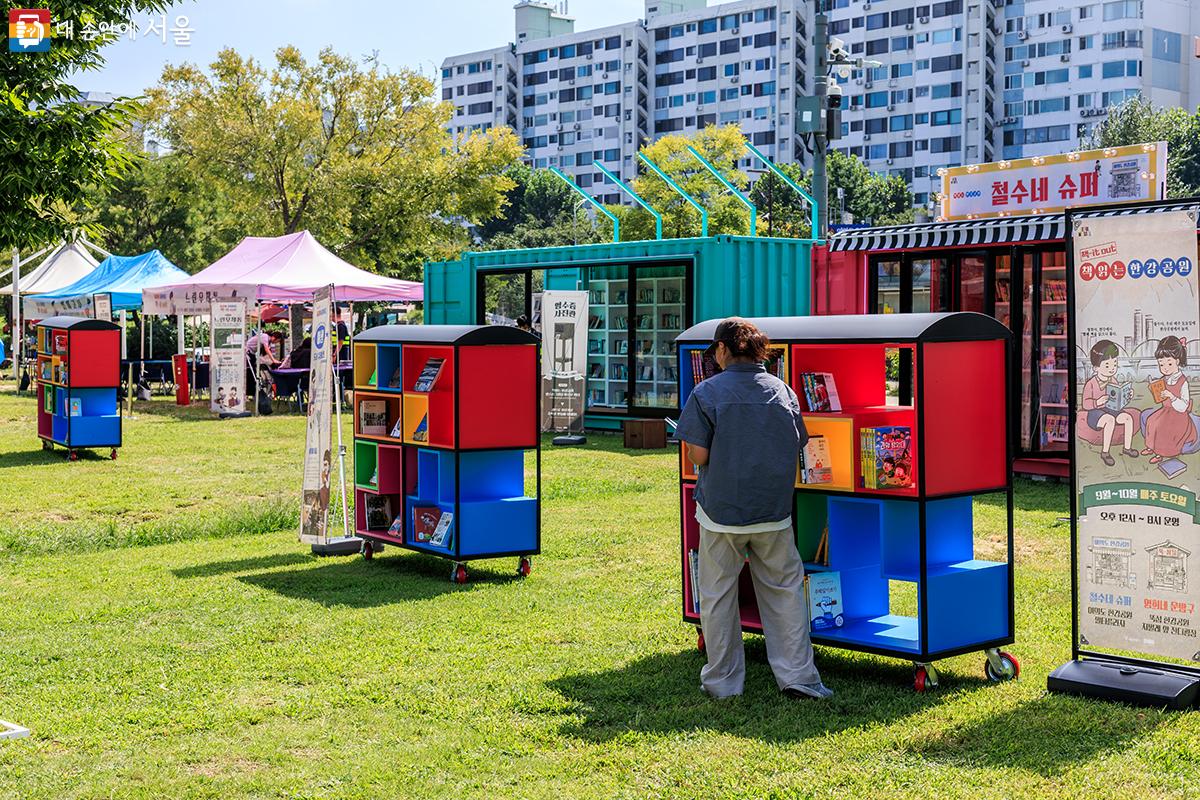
(960, 81)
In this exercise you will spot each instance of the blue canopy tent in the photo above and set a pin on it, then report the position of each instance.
(121, 277)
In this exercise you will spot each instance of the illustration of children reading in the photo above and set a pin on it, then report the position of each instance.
(1169, 430)
(1105, 399)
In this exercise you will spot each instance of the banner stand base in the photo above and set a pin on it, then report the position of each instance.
(343, 546)
(1126, 683)
(11, 730)
(233, 414)
(570, 440)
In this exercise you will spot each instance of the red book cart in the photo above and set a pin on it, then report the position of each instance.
(903, 548)
(445, 417)
(78, 383)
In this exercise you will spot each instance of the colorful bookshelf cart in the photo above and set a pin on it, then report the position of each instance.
(887, 542)
(461, 445)
(78, 380)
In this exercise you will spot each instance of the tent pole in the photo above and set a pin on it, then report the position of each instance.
(18, 337)
(257, 353)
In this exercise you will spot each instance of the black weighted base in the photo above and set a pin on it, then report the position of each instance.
(1126, 683)
(572, 440)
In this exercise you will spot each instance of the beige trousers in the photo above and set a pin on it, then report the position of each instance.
(778, 575)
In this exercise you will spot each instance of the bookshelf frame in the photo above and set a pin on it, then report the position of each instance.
(93, 350)
(936, 514)
(492, 447)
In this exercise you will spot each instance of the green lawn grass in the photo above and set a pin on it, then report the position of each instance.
(164, 635)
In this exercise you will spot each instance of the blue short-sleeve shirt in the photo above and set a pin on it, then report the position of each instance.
(750, 422)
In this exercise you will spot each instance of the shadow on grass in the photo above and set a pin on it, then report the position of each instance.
(354, 582)
(40, 457)
(242, 565)
(1052, 498)
(660, 694)
(1045, 736)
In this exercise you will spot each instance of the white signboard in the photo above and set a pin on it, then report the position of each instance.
(192, 302)
(318, 447)
(1137, 432)
(102, 307)
(1048, 184)
(227, 368)
(564, 317)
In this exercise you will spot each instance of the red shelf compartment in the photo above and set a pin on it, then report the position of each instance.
(437, 404)
(747, 602)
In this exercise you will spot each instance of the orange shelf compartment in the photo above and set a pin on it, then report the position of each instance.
(839, 433)
(686, 468)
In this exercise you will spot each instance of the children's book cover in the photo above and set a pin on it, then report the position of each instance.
(425, 522)
(421, 432)
(429, 375)
(891, 461)
(825, 600)
(815, 464)
(441, 533)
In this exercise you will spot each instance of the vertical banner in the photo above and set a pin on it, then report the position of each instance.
(227, 340)
(1136, 319)
(564, 317)
(318, 439)
(102, 307)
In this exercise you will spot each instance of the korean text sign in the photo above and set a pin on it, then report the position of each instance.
(564, 359)
(1054, 183)
(1136, 431)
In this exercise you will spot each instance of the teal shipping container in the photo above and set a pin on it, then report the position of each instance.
(641, 295)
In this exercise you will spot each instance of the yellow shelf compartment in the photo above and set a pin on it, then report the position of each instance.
(364, 365)
(839, 434)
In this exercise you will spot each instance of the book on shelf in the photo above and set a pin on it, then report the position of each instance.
(596, 397)
(815, 466)
(620, 372)
(1054, 358)
(704, 365)
(397, 430)
(394, 381)
(821, 556)
(1118, 396)
(596, 297)
(670, 295)
(671, 321)
(374, 479)
(48, 401)
(372, 417)
(60, 343)
(887, 457)
(824, 600)
(441, 533)
(75, 407)
(1054, 428)
(397, 527)
(1056, 324)
(429, 374)
(378, 512)
(645, 373)
(1054, 290)
(595, 370)
(1002, 291)
(595, 321)
(820, 392)
(645, 295)
(621, 297)
(595, 347)
(645, 322)
(421, 432)
(776, 362)
(425, 522)
(622, 346)
(372, 381)
(693, 560)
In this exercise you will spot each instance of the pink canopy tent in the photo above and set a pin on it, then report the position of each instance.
(281, 269)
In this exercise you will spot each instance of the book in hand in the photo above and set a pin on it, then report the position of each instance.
(1157, 387)
(815, 464)
(425, 522)
(1119, 396)
(421, 432)
(824, 600)
(378, 512)
(372, 417)
(429, 375)
(441, 534)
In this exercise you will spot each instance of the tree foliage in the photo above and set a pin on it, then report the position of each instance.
(721, 147)
(871, 197)
(540, 211)
(1137, 121)
(53, 150)
(359, 155)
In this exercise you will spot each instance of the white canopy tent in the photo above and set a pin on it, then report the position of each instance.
(65, 264)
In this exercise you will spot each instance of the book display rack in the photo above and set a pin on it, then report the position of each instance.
(890, 511)
(78, 384)
(445, 420)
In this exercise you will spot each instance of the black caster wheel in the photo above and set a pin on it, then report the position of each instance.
(368, 551)
(1001, 666)
(459, 574)
(72, 456)
(524, 567)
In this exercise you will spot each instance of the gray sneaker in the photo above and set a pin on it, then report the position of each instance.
(816, 691)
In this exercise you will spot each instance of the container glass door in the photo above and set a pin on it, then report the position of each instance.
(932, 289)
(1029, 353)
(505, 296)
(972, 283)
(659, 315)
(608, 338)
(887, 286)
(1051, 332)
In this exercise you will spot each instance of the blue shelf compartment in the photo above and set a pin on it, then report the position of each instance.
(387, 361)
(873, 541)
(686, 382)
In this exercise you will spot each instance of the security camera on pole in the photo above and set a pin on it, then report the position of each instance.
(821, 115)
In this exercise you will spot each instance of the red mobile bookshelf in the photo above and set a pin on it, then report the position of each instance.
(880, 540)
(78, 383)
(460, 445)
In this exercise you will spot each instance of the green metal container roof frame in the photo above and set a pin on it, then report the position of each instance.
(745, 275)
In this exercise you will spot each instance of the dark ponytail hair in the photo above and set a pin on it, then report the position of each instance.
(743, 339)
(1172, 347)
(1103, 350)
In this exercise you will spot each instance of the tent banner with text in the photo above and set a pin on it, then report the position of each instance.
(1136, 429)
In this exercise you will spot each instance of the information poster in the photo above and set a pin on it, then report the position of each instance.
(227, 367)
(318, 439)
(564, 318)
(1137, 431)
(102, 307)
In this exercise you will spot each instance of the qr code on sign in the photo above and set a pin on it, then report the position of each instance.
(1124, 185)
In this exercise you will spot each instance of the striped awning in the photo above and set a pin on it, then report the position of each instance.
(967, 233)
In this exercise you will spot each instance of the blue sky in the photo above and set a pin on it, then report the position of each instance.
(412, 33)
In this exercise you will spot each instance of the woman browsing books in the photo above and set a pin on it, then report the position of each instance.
(744, 432)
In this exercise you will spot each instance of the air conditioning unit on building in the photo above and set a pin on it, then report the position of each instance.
(1022, 35)
(868, 84)
(890, 161)
(735, 31)
(699, 59)
(734, 79)
(892, 83)
(908, 134)
(866, 6)
(866, 137)
(604, 76)
(570, 81)
(1065, 58)
(923, 20)
(576, 126)
(1085, 112)
(891, 108)
(1025, 63)
(1067, 28)
(588, 57)
(858, 81)
(908, 26)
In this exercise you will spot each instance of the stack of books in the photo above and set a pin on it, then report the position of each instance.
(886, 457)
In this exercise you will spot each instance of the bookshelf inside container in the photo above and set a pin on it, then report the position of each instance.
(874, 538)
(463, 443)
